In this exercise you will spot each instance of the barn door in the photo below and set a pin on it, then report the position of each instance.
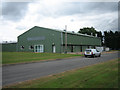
(53, 49)
(71, 48)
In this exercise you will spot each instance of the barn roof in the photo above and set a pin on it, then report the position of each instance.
(60, 31)
(67, 31)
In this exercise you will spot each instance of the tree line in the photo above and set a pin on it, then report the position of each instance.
(108, 39)
(112, 39)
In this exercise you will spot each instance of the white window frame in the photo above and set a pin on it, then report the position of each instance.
(40, 48)
(54, 49)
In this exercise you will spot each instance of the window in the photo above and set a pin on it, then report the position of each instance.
(38, 48)
(88, 50)
(31, 47)
(41, 48)
(22, 47)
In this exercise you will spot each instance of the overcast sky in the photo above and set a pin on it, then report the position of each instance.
(18, 17)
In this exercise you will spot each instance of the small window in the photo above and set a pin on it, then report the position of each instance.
(22, 47)
(31, 47)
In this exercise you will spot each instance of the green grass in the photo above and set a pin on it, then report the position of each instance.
(103, 75)
(21, 57)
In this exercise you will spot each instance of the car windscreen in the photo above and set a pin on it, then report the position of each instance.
(88, 50)
(97, 51)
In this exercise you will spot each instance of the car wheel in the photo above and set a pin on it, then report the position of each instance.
(93, 55)
(99, 55)
(85, 55)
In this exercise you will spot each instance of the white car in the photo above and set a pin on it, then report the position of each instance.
(92, 53)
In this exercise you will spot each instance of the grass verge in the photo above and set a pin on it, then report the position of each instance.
(102, 75)
(23, 57)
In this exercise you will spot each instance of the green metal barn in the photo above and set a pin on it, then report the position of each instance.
(39, 39)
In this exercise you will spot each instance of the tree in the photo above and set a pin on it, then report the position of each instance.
(88, 31)
(112, 39)
(99, 34)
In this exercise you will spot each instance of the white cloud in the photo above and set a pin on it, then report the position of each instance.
(58, 14)
(8, 31)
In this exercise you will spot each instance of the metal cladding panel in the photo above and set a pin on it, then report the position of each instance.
(40, 36)
(9, 47)
(75, 39)
(83, 48)
(77, 49)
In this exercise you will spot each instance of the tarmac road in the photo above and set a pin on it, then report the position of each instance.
(16, 73)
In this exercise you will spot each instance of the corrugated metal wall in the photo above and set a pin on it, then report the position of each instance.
(40, 36)
(81, 40)
(9, 47)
